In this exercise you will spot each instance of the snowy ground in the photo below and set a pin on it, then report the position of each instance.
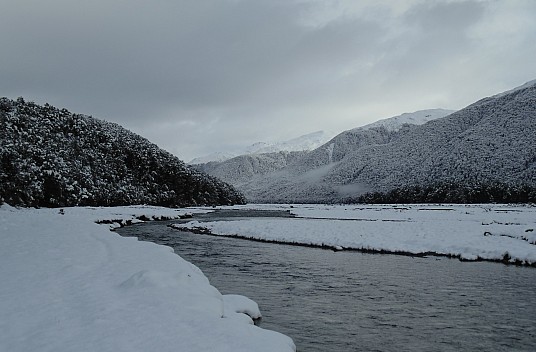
(469, 232)
(69, 284)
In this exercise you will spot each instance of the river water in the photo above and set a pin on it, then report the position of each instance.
(351, 301)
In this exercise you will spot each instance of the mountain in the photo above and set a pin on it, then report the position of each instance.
(216, 156)
(491, 140)
(244, 171)
(244, 168)
(420, 117)
(51, 157)
(303, 143)
(306, 142)
(484, 152)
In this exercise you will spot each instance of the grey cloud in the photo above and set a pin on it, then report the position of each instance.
(436, 35)
(249, 70)
(445, 16)
(195, 54)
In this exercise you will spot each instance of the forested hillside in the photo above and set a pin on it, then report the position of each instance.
(483, 153)
(488, 143)
(51, 157)
(252, 170)
(244, 168)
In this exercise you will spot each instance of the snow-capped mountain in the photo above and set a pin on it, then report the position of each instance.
(242, 169)
(217, 156)
(484, 152)
(306, 142)
(420, 117)
(488, 145)
(523, 86)
(51, 157)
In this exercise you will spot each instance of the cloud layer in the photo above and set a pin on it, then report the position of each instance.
(203, 76)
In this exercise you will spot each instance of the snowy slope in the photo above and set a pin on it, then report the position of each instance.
(306, 142)
(413, 118)
(243, 169)
(217, 156)
(523, 86)
(69, 284)
(487, 143)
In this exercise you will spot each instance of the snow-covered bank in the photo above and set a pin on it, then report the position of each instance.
(470, 232)
(69, 284)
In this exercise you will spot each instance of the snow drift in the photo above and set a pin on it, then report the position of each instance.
(69, 284)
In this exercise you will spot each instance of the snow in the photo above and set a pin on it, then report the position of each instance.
(302, 143)
(69, 284)
(306, 142)
(414, 118)
(216, 156)
(484, 147)
(523, 86)
(470, 232)
(241, 307)
(314, 140)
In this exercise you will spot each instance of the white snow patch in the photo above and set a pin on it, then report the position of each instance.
(245, 308)
(69, 284)
(467, 231)
(414, 118)
(523, 86)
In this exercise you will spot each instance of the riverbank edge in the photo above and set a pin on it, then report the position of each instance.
(120, 223)
(506, 260)
(115, 219)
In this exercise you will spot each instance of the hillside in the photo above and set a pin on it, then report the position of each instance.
(252, 172)
(490, 141)
(244, 168)
(51, 157)
(379, 132)
(412, 118)
(484, 152)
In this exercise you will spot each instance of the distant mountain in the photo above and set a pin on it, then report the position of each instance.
(303, 143)
(306, 142)
(484, 152)
(216, 156)
(244, 171)
(491, 140)
(51, 157)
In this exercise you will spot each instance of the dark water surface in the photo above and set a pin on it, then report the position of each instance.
(350, 301)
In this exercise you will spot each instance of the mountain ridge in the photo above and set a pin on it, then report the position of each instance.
(242, 169)
(419, 117)
(490, 142)
(304, 142)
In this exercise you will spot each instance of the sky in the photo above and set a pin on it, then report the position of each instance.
(203, 76)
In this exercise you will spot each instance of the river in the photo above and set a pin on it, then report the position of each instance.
(351, 301)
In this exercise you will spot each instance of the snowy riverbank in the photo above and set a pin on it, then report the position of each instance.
(69, 284)
(469, 232)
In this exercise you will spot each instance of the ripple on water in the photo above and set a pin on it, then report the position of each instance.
(349, 301)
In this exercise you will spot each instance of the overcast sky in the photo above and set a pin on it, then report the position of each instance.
(198, 76)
